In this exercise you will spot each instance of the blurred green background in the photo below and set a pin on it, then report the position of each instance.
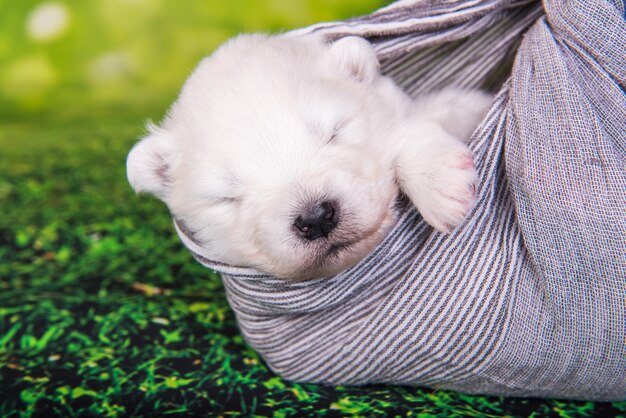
(129, 53)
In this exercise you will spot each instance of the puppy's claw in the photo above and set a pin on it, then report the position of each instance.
(467, 163)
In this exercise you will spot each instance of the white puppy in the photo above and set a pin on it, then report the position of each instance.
(287, 154)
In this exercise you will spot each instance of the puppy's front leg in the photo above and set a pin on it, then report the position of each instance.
(436, 171)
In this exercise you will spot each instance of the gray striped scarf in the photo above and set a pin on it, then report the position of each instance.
(528, 297)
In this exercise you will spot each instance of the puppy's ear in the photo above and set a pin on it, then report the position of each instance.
(149, 163)
(357, 56)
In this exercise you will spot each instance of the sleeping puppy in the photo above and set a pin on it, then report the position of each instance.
(287, 154)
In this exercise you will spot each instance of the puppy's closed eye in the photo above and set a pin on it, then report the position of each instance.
(334, 133)
(220, 196)
(329, 135)
(224, 200)
(223, 189)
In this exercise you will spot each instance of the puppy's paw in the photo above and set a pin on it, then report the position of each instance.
(452, 194)
(444, 188)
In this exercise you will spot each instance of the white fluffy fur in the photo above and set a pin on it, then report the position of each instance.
(269, 123)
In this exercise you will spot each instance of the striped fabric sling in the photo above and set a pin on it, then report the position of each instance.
(528, 297)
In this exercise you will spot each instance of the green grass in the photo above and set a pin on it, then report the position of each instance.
(102, 310)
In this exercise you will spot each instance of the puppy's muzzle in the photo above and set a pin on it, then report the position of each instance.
(318, 221)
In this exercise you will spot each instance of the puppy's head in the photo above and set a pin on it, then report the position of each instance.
(271, 158)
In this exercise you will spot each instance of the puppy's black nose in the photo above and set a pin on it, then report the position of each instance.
(319, 220)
